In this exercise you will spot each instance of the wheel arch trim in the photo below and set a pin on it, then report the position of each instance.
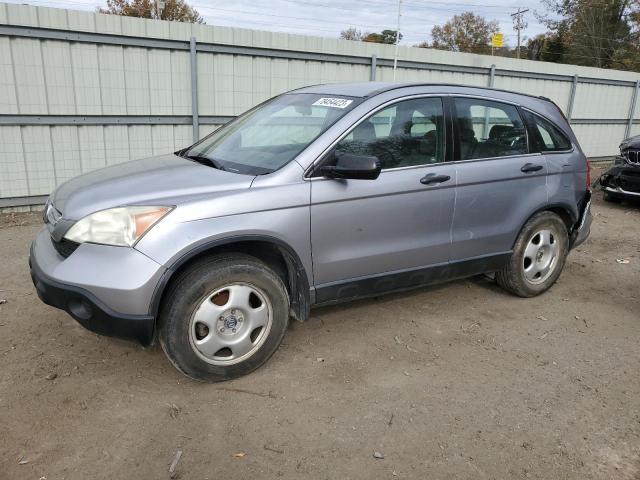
(297, 275)
(549, 207)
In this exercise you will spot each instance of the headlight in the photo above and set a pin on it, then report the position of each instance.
(121, 226)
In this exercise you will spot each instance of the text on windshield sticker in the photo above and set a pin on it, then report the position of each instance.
(333, 102)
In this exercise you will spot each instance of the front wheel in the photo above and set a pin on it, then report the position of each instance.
(223, 317)
(538, 256)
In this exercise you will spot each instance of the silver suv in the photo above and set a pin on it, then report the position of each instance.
(324, 194)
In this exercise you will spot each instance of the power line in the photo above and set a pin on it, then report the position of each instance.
(341, 23)
(408, 30)
(415, 6)
(415, 32)
(430, 3)
(207, 7)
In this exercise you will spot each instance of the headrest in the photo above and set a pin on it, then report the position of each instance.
(500, 132)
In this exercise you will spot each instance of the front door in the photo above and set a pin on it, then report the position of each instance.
(500, 183)
(378, 234)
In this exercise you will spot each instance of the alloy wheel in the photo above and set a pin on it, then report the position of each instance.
(230, 324)
(541, 256)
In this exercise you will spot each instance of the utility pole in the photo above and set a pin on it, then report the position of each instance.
(159, 8)
(519, 24)
(395, 56)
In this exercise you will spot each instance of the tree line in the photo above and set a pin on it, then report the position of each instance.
(593, 33)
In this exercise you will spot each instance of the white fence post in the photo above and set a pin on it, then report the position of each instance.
(572, 96)
(632, 109)
(374, 65)
(194, 89)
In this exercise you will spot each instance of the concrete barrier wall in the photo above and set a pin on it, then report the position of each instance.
(81, 90)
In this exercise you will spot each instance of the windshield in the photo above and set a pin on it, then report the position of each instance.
(272, 134)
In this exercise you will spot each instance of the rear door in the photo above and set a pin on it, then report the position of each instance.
(500, 183)
(398, 222)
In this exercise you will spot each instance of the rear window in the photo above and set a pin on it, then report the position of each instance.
(549, 138)
(488, 129)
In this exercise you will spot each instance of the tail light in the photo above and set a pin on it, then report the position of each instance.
(588, 173)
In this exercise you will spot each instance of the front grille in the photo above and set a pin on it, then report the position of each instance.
(632, 157)
(630, 187)
(65, 247)
(51, 217)
(51, 214)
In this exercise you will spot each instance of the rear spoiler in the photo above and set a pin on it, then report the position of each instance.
(555, 105)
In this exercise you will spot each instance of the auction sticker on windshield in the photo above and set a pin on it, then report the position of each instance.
(333, 102)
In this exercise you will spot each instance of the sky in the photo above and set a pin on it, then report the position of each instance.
(326, 18)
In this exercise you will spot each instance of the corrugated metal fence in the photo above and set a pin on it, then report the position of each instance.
(80, 90)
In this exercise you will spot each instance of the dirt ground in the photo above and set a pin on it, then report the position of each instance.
(455, 381)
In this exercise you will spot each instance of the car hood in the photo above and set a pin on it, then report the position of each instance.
(161, 180)
(631, 142)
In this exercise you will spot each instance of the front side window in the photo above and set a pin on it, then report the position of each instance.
(408, 133)
(487, 129)
(548, 137)
(270, 136)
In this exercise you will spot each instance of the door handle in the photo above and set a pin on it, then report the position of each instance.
(432, 179)
(531, 167)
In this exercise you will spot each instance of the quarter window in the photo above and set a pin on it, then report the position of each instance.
(549, 137)
(408, 133)
(487, 129)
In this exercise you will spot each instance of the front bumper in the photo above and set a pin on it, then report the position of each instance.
(108, 290)
(583, 229)
(622, 192)
(622, 179)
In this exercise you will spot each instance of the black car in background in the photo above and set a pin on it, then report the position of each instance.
(622, 180)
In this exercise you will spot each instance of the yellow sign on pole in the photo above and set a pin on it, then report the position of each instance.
(497, 39)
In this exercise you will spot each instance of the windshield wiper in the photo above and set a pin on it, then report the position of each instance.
(201, 159)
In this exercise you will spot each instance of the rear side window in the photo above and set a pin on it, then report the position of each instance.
(548, 137)
(487, 129)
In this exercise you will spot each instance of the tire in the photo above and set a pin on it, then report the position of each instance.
(534, 267)
(612, 197)
(223, 317)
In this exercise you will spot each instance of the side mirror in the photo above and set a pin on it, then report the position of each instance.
(352, 166)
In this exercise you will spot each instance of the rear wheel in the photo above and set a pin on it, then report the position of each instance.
(223, 317)
(538, 256)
